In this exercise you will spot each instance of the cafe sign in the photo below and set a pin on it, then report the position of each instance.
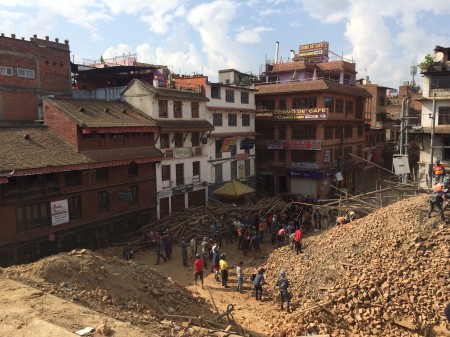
(301, 114)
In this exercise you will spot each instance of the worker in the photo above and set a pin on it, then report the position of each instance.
(198, 268)
(436, 200)
(224, 270)
(258, 282)
(438, 171)
(283, 285)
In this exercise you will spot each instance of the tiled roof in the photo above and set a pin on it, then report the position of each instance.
(39, 148)
(234, 189)
(35, 147)
(168, 125)
(317, 85)
(103, 114)
(170, 93)
(321, 67)
(292, 66)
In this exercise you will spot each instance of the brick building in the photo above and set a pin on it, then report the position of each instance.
(83, 179)
(30, 70)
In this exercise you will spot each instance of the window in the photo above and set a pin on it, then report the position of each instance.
(229, 96)
(338, 154)
(328, 132)
(28, 73)
(217, 119)
(74, 204)
(196, 169)
(304, 156)
(232, 120)
(31, 217)
(103, 201)
(444, 115)
(134, 190)
(102, 174)
(177, 112)
(329, 103)
(234, 170)
(247, 168)
(347, 152)
(348, 131)
(179, 174)
(163, 108)
(304, 132)
(218, 173)
(165, 172)
(215, 91)
(446, 151)
(348, 107)
(218, 145)
(133, 169)
(339, 132)
(304, 103)
(178, 139)
(195, 108)
(282, 132)
(266, 131)
(195, 138)
(73, 178)
(245, 120)
(7, 71)
(265, 104)
(244, 97)
(339, 106)
(165, 140)
(360, 130)
(359, 150)
(281, 104)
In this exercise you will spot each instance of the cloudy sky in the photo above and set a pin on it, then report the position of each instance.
(383, 37)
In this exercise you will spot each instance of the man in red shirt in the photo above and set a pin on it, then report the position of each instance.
(198, 268)
(298, 240)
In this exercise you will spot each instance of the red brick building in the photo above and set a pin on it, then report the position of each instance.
(311, 120)
(83, 179)
(30, 70)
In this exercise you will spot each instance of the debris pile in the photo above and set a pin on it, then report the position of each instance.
(386, 274)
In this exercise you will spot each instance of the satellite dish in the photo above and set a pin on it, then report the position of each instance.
(204, 140)
(438, 57)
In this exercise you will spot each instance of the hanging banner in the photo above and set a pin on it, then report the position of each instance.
(227, 144)
(305, 144)
(60, 212)
(247, 144)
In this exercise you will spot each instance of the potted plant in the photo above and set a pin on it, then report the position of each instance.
(425, 65)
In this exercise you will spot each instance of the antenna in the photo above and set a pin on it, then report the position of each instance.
(438, 57)
(413, 73)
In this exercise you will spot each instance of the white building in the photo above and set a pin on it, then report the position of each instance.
(182, 115)
(231, 110)
(435, 102)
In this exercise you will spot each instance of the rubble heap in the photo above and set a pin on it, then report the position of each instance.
(386, 274)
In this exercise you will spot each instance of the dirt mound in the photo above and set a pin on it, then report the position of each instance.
(386, 274)
(127, 291)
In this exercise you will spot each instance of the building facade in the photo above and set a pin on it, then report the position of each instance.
(183, 128)
(30, 70)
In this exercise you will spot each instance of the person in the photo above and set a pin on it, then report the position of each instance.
(290, 232)
(216, 262)
(128, 252)
(144, 241)
(184, 252)
(168, 242)
(193, 246)
(280, 236)
(240, 277)
(317, 217)
(198, 268)
(224, 270)
(283, 285)
(436, 200)
(298, 240)
(256, 243)
(438, 171)
(159, 248)
(258, 282)
(205, 250)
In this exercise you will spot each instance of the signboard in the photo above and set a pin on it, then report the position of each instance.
(326, 156)
(305, 144)
(293, 114)
(247, 144)
(60, 212)
(314, 50)
(401, 164)
(227, 144)
(181, 152)
(127, 196)
(241, 156)
(305, 174)
(305, 165)
(183, 189)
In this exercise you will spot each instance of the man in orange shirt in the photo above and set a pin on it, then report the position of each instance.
(439, 171)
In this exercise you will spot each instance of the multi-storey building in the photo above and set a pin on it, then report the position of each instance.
(231, 109)
(435, 114)
(82, 179)
(30, 70)
(311, 117)
(182, 136)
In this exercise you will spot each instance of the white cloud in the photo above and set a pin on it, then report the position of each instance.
(251, 36)
(117, 52)
(269, 11)
(144, 53)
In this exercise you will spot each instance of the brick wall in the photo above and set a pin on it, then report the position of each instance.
(58, 122)
(19, 106)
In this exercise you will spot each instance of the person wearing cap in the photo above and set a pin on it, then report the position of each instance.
(436, 200)
(216, 262)
(283, 285)
(258, 282)
(224, 270)
(438, 171)
(184, 252)
(198, 268)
